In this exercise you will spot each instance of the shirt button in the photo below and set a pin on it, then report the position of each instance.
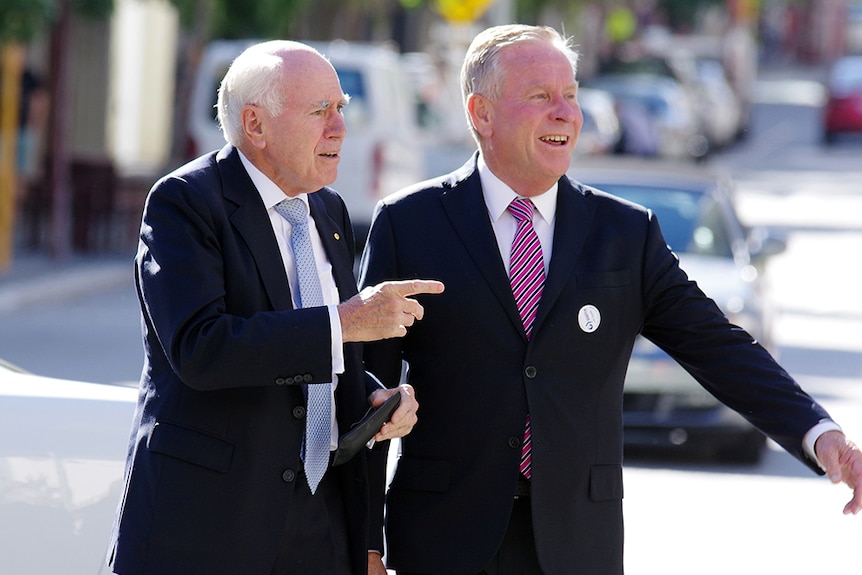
(298, 412)
(530, 371)
(288, 475)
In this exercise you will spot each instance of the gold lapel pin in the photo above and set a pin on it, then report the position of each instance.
(336, 236)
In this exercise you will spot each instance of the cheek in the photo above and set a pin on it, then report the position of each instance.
(579, 118)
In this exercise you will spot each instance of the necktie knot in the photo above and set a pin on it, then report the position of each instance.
(522, 209)
(293, 210)
(526, 264)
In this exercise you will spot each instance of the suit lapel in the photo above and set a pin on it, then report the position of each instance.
(466, 209)
(252, 223)
(573, 219)
(333, 239)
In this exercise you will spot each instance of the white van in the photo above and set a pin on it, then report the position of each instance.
(382, 152)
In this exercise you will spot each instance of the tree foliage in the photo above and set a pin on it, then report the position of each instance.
(93, 8)
(267, 19)
(20, 20)
(682, 14)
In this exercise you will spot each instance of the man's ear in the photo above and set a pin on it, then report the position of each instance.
(252, 126)
(480, 112)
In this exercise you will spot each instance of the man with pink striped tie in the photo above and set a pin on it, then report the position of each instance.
(515, 464)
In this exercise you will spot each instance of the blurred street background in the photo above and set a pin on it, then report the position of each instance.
(100, 98)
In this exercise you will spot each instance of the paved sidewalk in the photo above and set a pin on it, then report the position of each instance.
(35, 278)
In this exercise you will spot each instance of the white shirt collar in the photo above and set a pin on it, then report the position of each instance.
(269, 192)
(498, 195)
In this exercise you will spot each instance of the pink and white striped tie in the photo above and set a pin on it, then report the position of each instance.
(527, 274)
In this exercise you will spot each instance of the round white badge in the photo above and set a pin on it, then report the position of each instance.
(589, 318)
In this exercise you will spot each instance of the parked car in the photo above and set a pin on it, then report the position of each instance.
(719, 72)
(842, 111)
(657, 111)
(62, 452)
(663, 406)
(853, 33)
(600, 132)
(381, 153)
(665, 59)
(720, 109)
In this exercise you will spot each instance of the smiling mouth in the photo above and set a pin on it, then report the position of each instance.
(556, 140)
(329, 154)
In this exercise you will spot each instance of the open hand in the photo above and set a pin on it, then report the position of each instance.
(842, 461)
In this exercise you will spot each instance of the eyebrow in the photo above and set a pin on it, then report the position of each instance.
(343, 101)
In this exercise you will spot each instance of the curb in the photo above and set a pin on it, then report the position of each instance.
(63, 285)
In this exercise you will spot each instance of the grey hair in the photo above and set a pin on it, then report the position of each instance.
(480, 73)
(254, 77)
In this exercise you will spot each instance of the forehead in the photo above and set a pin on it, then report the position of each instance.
(310, 78)
(535, 63)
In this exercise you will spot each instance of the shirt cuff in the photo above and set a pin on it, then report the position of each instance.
(813, 434)
(337, 339)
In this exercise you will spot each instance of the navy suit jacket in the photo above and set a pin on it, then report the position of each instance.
(477, 376)
(215, 445)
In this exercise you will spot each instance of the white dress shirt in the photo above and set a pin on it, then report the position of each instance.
(498, 196)
(271, 194)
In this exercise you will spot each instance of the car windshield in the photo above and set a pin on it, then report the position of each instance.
(847, 76)
(353, 84)
(653, 93)
(691, 221)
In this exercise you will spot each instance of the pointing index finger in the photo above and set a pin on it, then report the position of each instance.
(413, 287)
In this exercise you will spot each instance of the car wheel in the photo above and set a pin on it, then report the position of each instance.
(746, 450)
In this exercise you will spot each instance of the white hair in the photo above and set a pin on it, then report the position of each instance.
(254, 78)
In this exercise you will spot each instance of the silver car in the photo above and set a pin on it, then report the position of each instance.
(657, 109)
(62, 453)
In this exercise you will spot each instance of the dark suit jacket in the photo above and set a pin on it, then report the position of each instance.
(476, 375)
(215, 444)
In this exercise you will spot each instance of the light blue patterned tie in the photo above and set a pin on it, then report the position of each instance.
(318, 415)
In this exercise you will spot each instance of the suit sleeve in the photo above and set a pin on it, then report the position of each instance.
(379, 263)
(382, 358)
(724, 358)
(202, 298)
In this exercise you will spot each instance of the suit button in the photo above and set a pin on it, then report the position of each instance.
(514, 442)
(280, 381)
(307, 378)
(288, 475)
(530, 371)
(298, 412)
(297, 379)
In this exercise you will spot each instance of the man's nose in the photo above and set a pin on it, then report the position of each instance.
(566, 109)
(336, 126)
